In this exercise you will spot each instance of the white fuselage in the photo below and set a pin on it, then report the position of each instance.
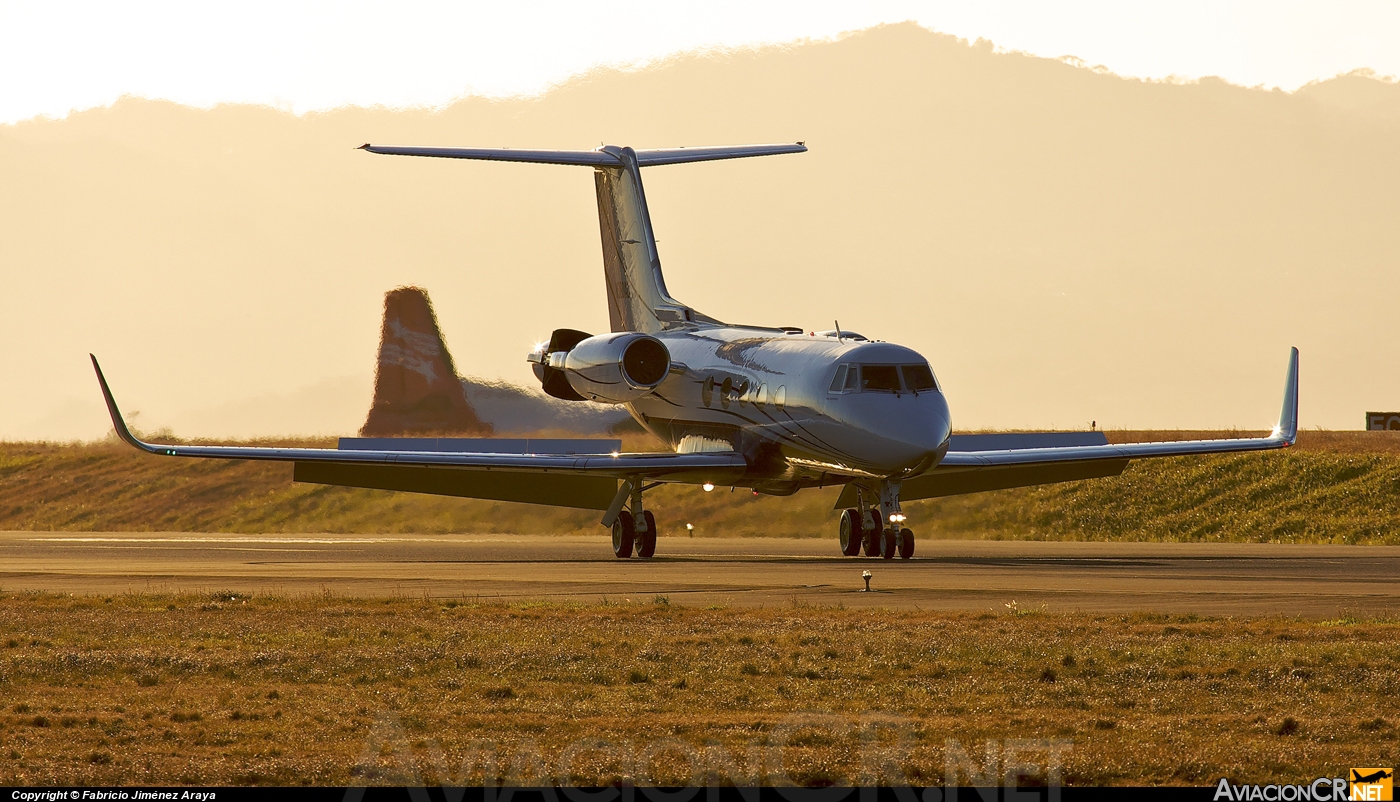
(768, 394)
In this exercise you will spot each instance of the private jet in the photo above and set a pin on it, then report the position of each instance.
(773, 410)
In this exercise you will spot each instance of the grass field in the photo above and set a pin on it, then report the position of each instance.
(221, 689)
(1334, 487)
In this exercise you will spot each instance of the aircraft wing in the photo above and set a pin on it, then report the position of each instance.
(976, 471)
(588, 481)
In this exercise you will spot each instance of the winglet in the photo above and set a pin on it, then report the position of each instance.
(117, 422)
(1287, 429)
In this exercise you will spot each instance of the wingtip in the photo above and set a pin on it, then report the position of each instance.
(1287, 429)
(365, 146)
(118, 423)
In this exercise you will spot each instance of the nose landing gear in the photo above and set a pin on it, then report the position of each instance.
(866, 529)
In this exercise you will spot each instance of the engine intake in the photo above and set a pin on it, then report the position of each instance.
(616, 368)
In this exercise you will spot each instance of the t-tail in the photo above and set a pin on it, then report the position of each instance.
(637, 296)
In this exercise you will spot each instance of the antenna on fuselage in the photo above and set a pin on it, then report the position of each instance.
(838, 331)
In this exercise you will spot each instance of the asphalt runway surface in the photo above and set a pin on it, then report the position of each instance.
(1216, 579)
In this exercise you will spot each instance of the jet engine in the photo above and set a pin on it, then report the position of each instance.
(549, 371)
(610, 368)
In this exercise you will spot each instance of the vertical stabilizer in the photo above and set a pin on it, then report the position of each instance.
(637, 296)
(416, 388)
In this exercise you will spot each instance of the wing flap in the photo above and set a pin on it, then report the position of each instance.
(960, 481)
(554, 489)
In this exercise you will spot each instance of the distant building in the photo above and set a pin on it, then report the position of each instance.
(1383, 421)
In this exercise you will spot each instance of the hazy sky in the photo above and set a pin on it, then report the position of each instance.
(56, 56)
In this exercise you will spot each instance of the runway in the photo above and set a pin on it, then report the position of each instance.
(1218, 579)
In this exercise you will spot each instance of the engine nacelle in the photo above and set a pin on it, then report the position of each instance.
(616, 368)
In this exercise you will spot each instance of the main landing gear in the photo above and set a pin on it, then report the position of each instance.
(876, 530)
(635, 529)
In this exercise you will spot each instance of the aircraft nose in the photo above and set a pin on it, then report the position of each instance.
(927, 433)
(911, 436)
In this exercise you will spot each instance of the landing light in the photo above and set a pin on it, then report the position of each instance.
(615, 453)
(899, 517)
(708, 486)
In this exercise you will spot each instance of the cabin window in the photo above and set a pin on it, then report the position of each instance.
(879, 378)
(852, 379)
(839, 380)
(762, 397)
(780, 397)
(707, 391)
(919, 377)
(726, 391)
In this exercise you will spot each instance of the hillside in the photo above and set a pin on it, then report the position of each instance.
(1062, 243)
(1335, 487)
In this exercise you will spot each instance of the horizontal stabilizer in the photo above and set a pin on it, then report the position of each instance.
(608, 156)
(593, 158)
(648, 158)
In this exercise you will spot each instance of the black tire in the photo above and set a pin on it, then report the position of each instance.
(906, 543)
(887, 544)
(851, 533)
(872, 535)
(646, 541)
(624, 533)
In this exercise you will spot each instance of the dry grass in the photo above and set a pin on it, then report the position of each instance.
(221, 689)
(1335, 487)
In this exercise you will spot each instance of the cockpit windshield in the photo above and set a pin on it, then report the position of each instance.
(919, 378)
(879, 378)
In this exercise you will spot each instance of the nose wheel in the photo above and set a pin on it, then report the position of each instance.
(887, 543)
(905, 543)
